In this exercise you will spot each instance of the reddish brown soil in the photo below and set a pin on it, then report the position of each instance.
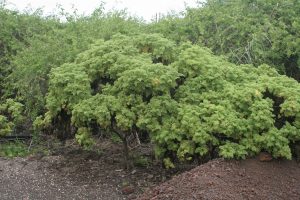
(220, 179)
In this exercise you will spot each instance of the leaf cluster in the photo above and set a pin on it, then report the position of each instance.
(11, 115)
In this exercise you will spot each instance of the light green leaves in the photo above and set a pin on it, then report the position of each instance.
(84, 138)
(5, 126)
(11, 116)
(69, 84)
(198, 103)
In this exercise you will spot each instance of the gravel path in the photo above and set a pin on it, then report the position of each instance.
(21, 179)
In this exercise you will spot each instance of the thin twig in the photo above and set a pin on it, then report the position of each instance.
(29, 145)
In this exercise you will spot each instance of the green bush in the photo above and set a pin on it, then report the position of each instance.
(240, 110)
(14, 149)
(84, 138)
(5, 126)
(11, 116)
(189, 101)
(141, 161)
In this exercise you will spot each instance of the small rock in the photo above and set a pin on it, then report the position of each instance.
(241, 174)
(150, 176)
(31, 157)
(127, 190)
(265, 157)
(210, 183)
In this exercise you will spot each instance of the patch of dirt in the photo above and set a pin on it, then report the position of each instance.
(230, 180)
(72, 173)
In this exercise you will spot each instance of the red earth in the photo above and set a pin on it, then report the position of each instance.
(221, 179)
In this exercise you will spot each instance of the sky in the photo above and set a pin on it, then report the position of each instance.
(142, 8)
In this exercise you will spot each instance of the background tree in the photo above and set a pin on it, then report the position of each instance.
(54, 44)
(247, 32)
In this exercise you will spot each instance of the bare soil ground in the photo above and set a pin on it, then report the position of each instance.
(233, 180)
(71, 173)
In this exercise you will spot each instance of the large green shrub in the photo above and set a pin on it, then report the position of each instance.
(189, 101)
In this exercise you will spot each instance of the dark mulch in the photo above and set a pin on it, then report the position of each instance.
(220, 179)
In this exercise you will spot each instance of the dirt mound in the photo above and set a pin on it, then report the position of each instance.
(220, 179)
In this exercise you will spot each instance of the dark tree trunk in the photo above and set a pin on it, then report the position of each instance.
(292, 69)
(127, 161)
(62, 126)
(123, 136)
